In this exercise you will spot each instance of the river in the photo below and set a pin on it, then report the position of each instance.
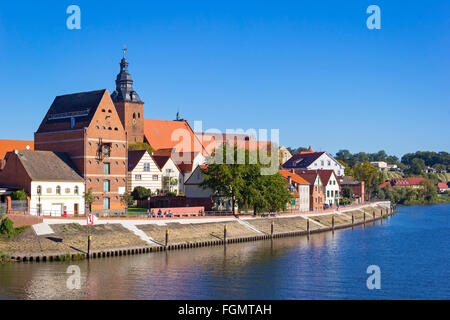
(411, 248)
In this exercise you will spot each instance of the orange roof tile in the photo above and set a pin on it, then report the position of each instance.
(164, 134)
(294, 177)
(11, 145)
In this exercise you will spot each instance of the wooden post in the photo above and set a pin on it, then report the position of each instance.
(307, 225)
(271, 229)
(225, 234)
(353, 218)
(167, 237)
(89, 246)
(332, 222)
(373, 215)
(364, 214)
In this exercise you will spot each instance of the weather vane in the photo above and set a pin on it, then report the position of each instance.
(124, 49)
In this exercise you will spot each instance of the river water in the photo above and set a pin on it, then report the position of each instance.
(411, 248)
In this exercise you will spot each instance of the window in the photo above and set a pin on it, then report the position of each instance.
(106, 168)
(107, 150)
(322, 163)
(155, 177)
(106, 186)
(328, 193)
(39, 190)
(58, 190)
(106, 202)
(329, 162)
(72, 123)
(76, 190)
(147, 167)
(138, 177)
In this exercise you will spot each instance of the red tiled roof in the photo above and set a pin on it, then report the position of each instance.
(442, 185)
(414, 181)
(178, 135)
(11, 145)
(309, 176)
(294, 177)
(324, 174)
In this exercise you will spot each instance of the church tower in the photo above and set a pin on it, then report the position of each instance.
(128, 104)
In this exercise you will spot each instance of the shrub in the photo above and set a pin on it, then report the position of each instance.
(6, 227)
(19, 195)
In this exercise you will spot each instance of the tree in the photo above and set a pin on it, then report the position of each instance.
(141, 146)
(417, 166)
(429, 190)
(88, 199)
(347, 192)
(19, 195)
(127, 199)
(244, 183)
(141, 193)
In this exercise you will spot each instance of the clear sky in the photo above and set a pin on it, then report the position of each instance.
(309, 68)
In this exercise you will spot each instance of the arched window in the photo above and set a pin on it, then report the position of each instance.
(76, 190)
(58, 190)
(39, 190)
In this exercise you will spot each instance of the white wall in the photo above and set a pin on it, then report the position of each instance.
(192, 186)
(174, 172)
(49, 200)
(326, 161)
(147, 177)
(303, 191)
(332, 191)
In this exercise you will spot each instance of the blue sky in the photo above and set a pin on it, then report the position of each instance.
(309, 68)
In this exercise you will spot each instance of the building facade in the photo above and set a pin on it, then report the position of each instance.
(50, 180)
(310, 160)
(87, 127)
(143, 171)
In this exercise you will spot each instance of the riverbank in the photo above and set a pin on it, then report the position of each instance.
(68, 239)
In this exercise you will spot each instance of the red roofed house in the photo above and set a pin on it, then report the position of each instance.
(299, 188)
(331, 185)
(443, 186)
(413, 182)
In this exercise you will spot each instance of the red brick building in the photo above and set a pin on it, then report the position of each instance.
(87, 127)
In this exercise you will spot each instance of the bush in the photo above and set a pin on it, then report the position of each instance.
(19, 195)
(7, 228)
(141, 193)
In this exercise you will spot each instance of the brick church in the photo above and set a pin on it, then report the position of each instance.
(94, 128)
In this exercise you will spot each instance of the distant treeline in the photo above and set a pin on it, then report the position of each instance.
(437, 160)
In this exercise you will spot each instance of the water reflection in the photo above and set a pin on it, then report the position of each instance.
(328, 265)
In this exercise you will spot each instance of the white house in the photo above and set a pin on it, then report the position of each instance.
(143, 171)
(310, 160)
(330, 183)
(48, 178)
(177, 167)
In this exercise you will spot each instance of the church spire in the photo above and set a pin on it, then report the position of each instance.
(124, 84)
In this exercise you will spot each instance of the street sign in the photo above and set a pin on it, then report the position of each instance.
(90, 219)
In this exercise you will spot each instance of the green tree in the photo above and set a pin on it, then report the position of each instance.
(88, 199)
(127, 199)
(243, 182)
(347, 192)
(429, 191)
(417, 166)
(141, 146)
(141, 193)
(19, 195)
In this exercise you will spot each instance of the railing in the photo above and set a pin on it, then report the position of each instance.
(218, 213)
